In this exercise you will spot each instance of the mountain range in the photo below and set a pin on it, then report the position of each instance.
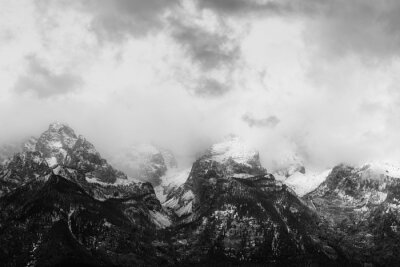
(63, 204)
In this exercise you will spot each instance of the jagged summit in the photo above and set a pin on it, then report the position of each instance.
(68, 154)
(56, 142)
(57, 126)
(229, 159)
(226, 208)
(230, 204)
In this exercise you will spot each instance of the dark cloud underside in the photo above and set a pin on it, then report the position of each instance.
(209, 49)
(116, 20)
(44, 83)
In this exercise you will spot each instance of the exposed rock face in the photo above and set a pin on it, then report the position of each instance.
(53, 221)
(62, 204)
(362, 206)
(170, 182)
(20, 169)
(231, 157)
(60, 146)
(230, 210)
(9, 150)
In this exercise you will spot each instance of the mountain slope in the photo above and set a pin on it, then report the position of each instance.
(54, 221)
(63, 204)
(231, 211)
(362, 205)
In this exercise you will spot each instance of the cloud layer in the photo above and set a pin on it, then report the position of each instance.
(44, 83)
(312, 78)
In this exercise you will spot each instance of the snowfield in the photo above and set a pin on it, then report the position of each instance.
(303, 184)
(172, 179)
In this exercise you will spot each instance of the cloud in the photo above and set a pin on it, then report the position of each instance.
(269, 122)
(209, 87)
(367, 28)
(117, 20)
(208, 48)
(330, 105)
(211, 47)
(45, 83)
(239, 7)
(337, 28)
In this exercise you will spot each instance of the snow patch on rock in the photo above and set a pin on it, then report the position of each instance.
(305, 183)
(52, 161)
(187, 209)
(171, 180)
(160, 220)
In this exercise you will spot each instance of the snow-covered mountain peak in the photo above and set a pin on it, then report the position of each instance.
(57, 126)
(30, 144)
(379, 169)
(233, 148)
(56, 142)
(59, 135)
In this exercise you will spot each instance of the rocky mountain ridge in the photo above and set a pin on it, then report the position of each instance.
(230, 207)
(64, 193)
(362, 205)
(61, 203)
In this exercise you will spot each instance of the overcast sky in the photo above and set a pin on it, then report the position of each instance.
(318, 78)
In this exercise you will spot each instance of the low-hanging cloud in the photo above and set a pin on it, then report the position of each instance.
(269, 122)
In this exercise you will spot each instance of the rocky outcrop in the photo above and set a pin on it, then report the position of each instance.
(231, 211)
(361, 205)
(61, 203)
